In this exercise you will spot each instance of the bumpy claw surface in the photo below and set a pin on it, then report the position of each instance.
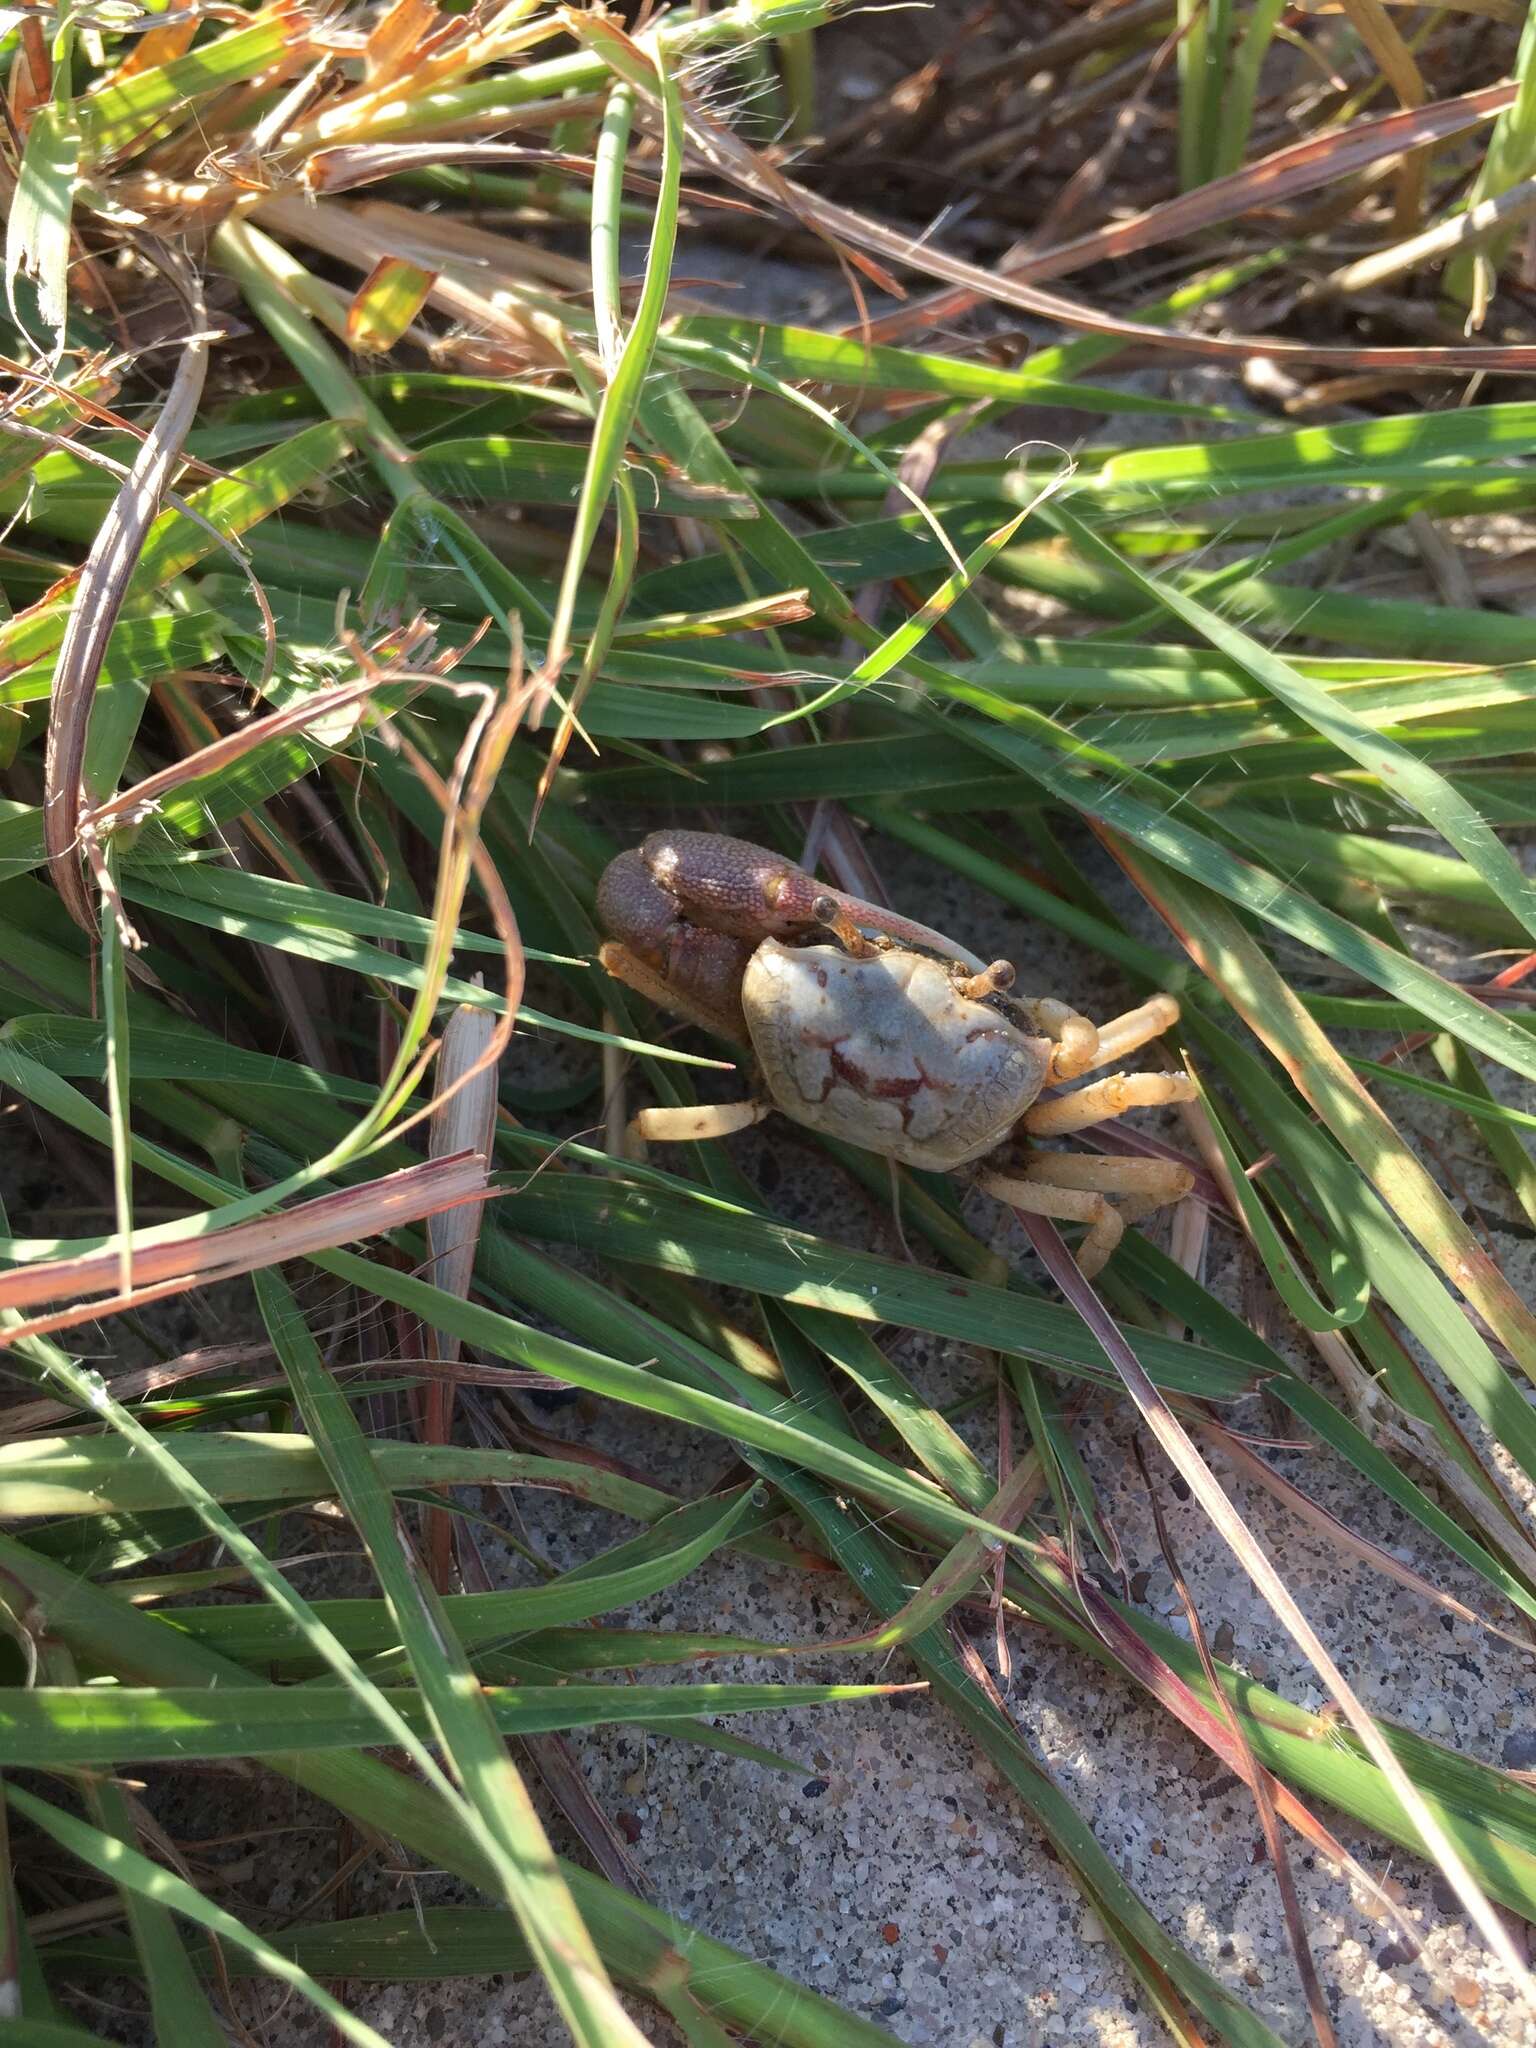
(730, 885)
(684, 967)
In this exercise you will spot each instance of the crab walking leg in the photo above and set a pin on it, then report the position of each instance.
(1065, 1205)
(696, 1123)
(1074, 1040)
(1138, 1185)
(1128, 1034)
(1102, 1100)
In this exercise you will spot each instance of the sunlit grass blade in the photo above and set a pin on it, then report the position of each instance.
(65, 1727)
(1415, 782)
(647, 70)
(38, 222)
(504, 1819)
(637, 1937)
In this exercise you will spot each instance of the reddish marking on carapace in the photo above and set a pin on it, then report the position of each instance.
(900, 1088)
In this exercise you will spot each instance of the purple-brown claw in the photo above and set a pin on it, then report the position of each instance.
(732, 886)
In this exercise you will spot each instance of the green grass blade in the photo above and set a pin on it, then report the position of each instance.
(37, 233)
(1414, 781)
(620, 402)
(636, 1937)
(502, 1814)
(68, 1727)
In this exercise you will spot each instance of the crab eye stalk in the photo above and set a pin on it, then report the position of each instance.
(832, 917)
(990, 982)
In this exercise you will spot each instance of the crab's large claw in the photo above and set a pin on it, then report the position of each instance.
(654, 948)
(732, 886)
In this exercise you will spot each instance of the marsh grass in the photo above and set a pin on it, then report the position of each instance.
(394, 526)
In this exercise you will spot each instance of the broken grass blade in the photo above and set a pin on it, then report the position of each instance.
(110, 569)
(464, 1120)
(178, 1256)
(385, 304)
(37, 240)
(607, 223)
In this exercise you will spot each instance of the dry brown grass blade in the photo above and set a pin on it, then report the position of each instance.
(1316, 1516)
(311, 711)
(1215, 1730)
(465, 818)
(840, 225)
(144, 1384)
(176, 1264)
(99, 597)
(363, 238)
(1258, 1781)
(1447, 237)
(405, 32)
(465, 1119)
(1284, 174)
(1381, 36)
(165, 44)
(1234, 1532)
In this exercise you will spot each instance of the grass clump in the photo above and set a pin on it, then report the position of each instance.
(397, 525)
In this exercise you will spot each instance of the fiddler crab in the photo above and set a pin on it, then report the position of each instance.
(881, 1032)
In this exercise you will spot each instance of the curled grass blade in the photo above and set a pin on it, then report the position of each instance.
(647, 69)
